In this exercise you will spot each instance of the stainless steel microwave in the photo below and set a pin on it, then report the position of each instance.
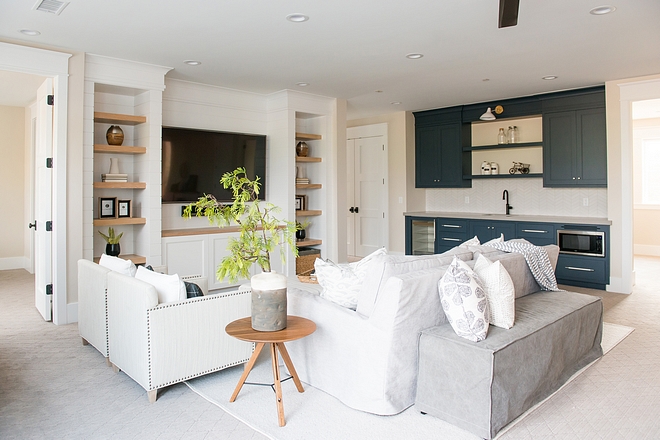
(590, 243)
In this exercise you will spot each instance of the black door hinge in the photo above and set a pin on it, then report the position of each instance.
(49, 226)
(49, 162)
(49, 289)
(50, 100)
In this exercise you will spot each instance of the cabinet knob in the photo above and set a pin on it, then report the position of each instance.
(579, 178)
(573, 178)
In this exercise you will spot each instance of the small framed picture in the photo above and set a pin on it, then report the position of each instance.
(107, 207)
(300, 203)
(124, 208)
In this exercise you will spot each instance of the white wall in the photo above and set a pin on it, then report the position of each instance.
(646, 218)
(12, 182)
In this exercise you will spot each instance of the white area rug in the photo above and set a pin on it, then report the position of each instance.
(315, 414)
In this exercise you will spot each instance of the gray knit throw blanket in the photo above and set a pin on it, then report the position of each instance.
(537, 259)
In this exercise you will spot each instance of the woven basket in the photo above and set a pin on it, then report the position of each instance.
(305, 264)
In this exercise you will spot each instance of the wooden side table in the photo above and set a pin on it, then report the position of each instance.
(297, 328)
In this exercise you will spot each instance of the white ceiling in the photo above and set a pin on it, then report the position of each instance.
(350, 49)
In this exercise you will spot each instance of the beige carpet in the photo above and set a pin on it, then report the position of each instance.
(315, 414)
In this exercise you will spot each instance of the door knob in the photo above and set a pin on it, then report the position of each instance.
(351, 209)
(356, 209)
(33, 225)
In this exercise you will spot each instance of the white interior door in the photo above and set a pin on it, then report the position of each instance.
(43, 201)
(369, 195)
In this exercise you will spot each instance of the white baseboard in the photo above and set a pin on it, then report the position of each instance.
(616, 286)
(647, 249)
(72, 313)
(15, 263)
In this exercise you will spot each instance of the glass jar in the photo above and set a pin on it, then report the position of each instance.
(513, 135)
(501, 137)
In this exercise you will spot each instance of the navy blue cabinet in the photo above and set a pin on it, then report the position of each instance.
(538, 234)
(439, 135)
(449, 233)
(487, 230)
(577, 270)
(574, 140)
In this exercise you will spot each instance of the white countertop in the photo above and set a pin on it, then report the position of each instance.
(513, 217)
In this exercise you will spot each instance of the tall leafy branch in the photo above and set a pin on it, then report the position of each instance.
(260, 232)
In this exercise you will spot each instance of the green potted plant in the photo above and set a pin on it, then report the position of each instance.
(112, 240)
(260, 233)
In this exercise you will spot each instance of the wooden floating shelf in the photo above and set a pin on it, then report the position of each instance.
(136, 259)
(116, 118)
(308, 137)
(308, 186)
(308, 159)
(308, 242)
(308, 213)
(120, 221)
(120, 185)
(500, 146)
(119, 149)
(501, 176)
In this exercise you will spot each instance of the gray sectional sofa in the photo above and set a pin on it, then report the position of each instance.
(481, 387)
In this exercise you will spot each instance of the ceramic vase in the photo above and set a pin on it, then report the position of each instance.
(268, 301)
(301, 234)
(302, 149)
(112, 249)
(114, 135)
(114, 165)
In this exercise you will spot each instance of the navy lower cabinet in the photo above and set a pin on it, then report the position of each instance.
(487, 230)
(449, 233)
(577, 270)
(538, 234)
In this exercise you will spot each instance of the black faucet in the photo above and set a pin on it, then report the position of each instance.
(505, 196)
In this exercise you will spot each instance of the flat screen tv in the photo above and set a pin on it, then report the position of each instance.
(195, 160)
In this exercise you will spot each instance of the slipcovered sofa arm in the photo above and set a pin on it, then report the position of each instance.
(92, 311)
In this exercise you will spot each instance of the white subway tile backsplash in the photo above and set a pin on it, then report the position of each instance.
(527, 196)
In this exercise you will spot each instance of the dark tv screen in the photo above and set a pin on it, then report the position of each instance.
(195, 160)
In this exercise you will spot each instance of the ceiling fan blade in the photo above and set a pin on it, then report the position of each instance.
(508, 13)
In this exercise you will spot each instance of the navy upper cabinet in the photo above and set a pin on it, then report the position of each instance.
(574, 140)
(438, 149)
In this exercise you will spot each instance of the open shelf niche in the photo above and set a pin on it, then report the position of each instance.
(310, 129)
(485, 148)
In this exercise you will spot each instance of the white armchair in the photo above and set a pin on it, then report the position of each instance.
(162, 344)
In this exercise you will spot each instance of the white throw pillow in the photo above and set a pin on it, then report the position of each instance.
(341, 283)
(471, 242)
(499, 239)
(170, 288)
(499, 289)
(120, 265)
(464, 301)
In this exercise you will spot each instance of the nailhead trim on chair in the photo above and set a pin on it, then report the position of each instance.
(107, 343)
(178, 303)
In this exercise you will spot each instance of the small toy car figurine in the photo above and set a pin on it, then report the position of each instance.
(519, 166)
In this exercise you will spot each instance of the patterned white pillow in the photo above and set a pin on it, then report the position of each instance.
(499, 239)
(464, 301)
(499, 291)
(471, 242)
(342, 283)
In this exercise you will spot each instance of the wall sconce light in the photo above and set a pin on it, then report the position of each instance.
(489, 116)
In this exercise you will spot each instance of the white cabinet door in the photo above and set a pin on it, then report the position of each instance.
(187, 255)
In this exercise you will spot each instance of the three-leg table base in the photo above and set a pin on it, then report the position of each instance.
(274, 347)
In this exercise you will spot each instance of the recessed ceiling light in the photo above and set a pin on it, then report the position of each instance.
(395, 102)
(550, 77)
(192, 62)
(302, 84)
(30, 32)
(602, 10)
(297, 18)
(414, 56)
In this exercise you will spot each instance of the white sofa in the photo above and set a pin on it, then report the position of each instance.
(93, 303)
(368, 358)
(162, 344)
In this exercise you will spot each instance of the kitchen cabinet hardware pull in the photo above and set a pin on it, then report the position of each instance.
(451, 226)
(583, 269)
(536, 231)
(451, 239)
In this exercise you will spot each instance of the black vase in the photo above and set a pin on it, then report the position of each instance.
(300, 234)
(112, 249)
